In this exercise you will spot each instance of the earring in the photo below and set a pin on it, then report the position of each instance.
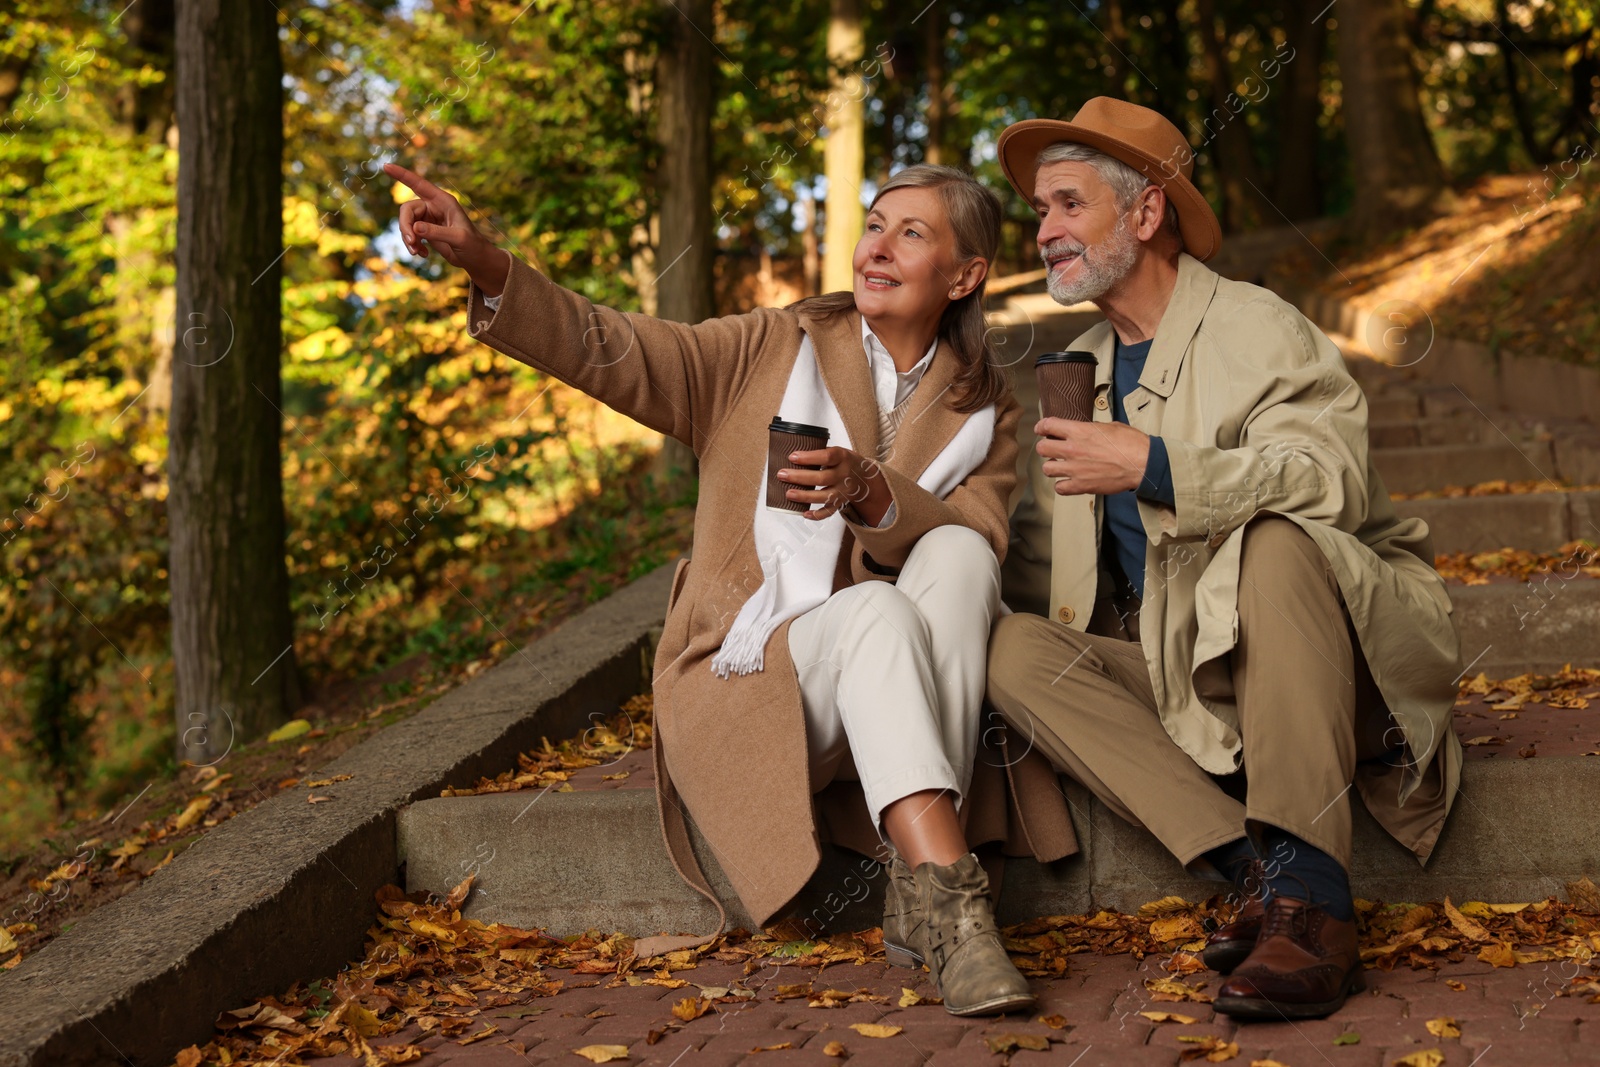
(952, 294)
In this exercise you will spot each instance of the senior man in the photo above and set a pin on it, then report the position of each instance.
(1226, 585)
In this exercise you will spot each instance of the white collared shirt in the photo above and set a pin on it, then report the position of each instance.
(889, 385)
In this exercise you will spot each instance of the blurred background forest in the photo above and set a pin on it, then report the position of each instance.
(553, 122)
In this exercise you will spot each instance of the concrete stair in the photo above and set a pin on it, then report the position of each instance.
(592, 858)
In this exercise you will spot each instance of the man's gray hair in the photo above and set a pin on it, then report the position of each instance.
(1126, 183)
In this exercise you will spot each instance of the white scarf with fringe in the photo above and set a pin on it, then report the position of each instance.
(798, 555)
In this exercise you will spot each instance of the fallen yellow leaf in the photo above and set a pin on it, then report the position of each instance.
(1267, 1063)
(480, 1035)
(1054, 1022)
(1001, 1044)
(1428, 1057)
(1177, 928)
(1468, 928)
(836, 1049)
(361, 1020)
(1498, 954)
(1168, 1017)
(1444, 1026)
(1172, 989)
(320, 782)
(772, 1048)
(7, 942)
(875, 1029)
(191, 814)
(189, 1057)
(1459, 987)
(690, 1008)
(602, 1053)
(1210, 1048)
(289, 730)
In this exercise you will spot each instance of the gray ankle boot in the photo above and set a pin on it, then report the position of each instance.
(904, 928)
(962, 945)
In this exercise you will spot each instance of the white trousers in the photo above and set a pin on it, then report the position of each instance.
(892, 676)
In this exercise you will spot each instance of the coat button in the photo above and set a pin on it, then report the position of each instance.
(1101, 403)
(1065, 615)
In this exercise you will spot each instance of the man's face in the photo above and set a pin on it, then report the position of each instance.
(1085, 242)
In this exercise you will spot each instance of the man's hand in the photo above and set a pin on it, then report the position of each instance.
(846, 477)
(437, 220)
(1092, 457)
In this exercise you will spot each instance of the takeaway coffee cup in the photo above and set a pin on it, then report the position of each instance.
(783, 438)
(1066, 385)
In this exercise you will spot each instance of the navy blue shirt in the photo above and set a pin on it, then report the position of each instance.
(1124, 532)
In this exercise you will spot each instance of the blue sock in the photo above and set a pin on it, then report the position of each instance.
(1233, 860)
(1302, 871)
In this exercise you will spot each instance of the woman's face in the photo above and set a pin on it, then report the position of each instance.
(906, 265)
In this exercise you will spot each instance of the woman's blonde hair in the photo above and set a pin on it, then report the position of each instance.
(974, 213)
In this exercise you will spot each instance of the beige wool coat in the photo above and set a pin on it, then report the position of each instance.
(1259, 414)
(731, 752)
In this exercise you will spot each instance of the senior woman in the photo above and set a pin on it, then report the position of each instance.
(850, 638)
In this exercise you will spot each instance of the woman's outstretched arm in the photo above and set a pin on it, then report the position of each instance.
(672, 377)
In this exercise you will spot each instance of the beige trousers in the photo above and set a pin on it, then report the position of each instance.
(892, 676)
(1302, 687)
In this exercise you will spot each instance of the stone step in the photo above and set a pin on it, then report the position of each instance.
(1393, 407)
(591, 857)
(583, 860)
(1415, 470)
(1539, 522)
(1418, 432)
(1510, 628)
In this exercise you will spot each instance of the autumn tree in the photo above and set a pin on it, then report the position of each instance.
(232, 641)
(1396, 168)
(686, 248)
(844, 152)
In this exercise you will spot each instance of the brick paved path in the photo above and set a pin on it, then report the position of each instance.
(1506, 1017)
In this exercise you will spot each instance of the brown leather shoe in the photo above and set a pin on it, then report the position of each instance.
(1303, 966)
(1233, 942)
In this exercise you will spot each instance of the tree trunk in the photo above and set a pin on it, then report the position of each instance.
(686, 249)
(933, 44)
(232, 646)
(1298, 190)
(1239, 176)
(1117, 37)
(844, 151)
(642, 261)
(1397, 171)
(1519, 104)
(810, 259)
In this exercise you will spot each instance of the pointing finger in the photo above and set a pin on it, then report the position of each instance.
(414, 181)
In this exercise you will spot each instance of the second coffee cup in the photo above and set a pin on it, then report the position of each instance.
(1066, 385)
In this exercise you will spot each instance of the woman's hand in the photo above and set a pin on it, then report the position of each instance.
(846, 477)
(437, 220)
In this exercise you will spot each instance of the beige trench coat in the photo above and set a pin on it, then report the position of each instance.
(1259, 414)
(732, 751)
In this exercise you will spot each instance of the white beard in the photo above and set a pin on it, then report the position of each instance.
(1100, 268)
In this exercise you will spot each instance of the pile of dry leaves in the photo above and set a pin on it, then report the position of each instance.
(1571, 560)
(427, 965)
(1569, 689)
(629, 730)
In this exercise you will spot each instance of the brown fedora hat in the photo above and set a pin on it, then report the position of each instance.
(1139, 137)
